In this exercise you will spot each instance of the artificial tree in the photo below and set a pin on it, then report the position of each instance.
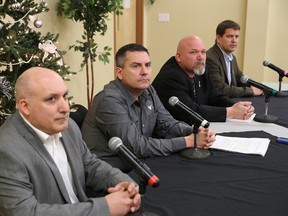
(93, 14)
(22, 47)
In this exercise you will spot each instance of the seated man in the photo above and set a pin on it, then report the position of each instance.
(46, 168)
(129, 108)
(184, 77)
(222, 65)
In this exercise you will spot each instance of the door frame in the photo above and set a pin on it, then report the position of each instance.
(139, 28)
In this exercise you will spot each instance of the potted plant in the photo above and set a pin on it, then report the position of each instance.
(93, 14)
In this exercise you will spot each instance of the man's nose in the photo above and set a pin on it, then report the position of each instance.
(144, 70)
(63, 105)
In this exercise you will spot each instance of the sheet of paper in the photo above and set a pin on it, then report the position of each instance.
(242, 145)
(240, 120)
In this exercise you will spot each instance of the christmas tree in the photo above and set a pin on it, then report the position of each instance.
(22, 47)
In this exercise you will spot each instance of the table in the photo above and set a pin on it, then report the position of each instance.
(277, 106)
(226, 183)
(274, 129)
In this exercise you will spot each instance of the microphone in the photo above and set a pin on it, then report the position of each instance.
(275, 68)
(140, 168)
(174, 101)
(245, 80)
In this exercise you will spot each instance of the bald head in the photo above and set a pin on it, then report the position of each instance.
(191, 55)
(187, 42)
(27, 83)
(42, 99)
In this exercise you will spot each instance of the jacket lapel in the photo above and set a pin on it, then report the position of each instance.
(75, 164)
(233, 80)
(222, 60)
(31, 137)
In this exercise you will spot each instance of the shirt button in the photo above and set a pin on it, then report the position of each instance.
(143, 125)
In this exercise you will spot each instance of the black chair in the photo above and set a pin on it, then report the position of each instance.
(78, 113)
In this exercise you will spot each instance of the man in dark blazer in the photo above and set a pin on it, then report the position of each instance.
(184, 76)
(43, 177)
(222, 64)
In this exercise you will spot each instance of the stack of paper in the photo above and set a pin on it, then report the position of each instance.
(242, 145)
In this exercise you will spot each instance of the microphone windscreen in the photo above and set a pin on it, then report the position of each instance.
(266, 63)
(173, 100)
(114, 143)
(244, 79)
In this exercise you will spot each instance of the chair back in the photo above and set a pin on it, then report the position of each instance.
(78, 113)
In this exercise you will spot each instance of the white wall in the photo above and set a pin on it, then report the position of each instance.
(71, 31)
(188, 17)
(263, 36)
(266, 38)
(277, 38)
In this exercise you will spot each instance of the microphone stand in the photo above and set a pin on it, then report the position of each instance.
(280, 82)
(195, 153)
(266, 118)
(142, 186)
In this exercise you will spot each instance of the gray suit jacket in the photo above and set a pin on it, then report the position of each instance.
(30, 183)
(218, 74)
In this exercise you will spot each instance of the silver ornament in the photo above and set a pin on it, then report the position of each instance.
(44, 4)
(38, 23)
(5, 87)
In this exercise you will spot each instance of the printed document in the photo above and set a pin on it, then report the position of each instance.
(242, 145)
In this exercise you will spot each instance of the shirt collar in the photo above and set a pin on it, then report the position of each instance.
(42, 135)
(127, 94)
(227, 57)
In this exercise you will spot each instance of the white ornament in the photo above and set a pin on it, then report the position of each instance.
(49, 48)
(16, 6)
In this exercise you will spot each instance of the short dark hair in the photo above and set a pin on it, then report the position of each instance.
(121, 53)
(226, 24)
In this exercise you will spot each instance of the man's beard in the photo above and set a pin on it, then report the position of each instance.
(200, 71)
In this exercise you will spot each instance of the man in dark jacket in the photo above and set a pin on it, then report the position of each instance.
(183, 76)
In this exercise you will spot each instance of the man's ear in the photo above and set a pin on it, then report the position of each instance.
(177, 57)
(23, 107)
(118, 72)
(217, 38)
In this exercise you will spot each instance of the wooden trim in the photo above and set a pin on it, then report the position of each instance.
(139, 28)
(115, 32)
(139, 21)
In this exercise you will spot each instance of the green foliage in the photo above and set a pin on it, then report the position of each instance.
(19, 48)
(93, 14)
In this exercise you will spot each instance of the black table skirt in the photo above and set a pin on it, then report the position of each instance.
(226, 183)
